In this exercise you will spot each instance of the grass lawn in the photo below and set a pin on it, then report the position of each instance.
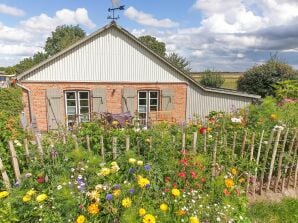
(285, 211)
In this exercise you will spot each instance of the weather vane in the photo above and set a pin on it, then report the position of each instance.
(115, 7)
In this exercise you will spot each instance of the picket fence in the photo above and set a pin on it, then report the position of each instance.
(281, 173)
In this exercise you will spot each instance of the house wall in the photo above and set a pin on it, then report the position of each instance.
(114, 100)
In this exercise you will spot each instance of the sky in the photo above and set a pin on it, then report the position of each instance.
(222, 35)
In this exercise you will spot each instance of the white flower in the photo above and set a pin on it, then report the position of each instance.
(80, 177)
(277, 127)
(241, 218)
(59, 187)
(218, 219)
(236, 120)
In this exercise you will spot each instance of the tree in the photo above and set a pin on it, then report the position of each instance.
(153, 44)
(260, 79)
(212, 79)
(178, 61)
(63, 37)
(28, 63)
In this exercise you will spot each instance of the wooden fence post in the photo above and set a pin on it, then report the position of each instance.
(183, 141)
(252, 148)
(292, 164)
(234, 145)
(64, 139)
(4, 175)
(205, 141)
(296, 175)
(243, 143)
(114, 146)
(88, 143)
(75, 139)
(127, 143)
(15, 162)
(214, 157)
(26, 147)
(281, 155)
(257, 163)
(194, 142)
(265, 160)
(273, 158)
(102, 148)
(39, 145)
(150, 143)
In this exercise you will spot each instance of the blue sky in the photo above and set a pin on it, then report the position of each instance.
(229, 36)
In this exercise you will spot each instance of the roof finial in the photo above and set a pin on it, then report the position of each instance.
(115, 7)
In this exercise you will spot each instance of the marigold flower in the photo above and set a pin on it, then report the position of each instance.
(273, 116)
(126, 202)
(81, 219)
(4, 194)
(140, 163)
(149, 218)
(142, 211)
(164, 207)
(241, 180)
(143, 182)
(94, 195)
(117, 192)
(104, 171)
(93, 209)
(132, 160)
(41, 197)
(26, 198)
(176, 192)
(194, 220)
(229, 183)
(234, 171)
(180, 212)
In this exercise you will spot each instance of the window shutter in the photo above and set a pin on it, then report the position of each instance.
(167, 100)
(99, 100)
(54, 108)
(129, 100)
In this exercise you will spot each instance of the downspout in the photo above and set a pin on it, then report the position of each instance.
(29, 100)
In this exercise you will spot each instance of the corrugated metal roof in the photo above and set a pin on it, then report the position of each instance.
(128, 34)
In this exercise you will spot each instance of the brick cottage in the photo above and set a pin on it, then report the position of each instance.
(112, 71)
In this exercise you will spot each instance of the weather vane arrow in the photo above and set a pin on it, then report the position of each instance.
(116, 6)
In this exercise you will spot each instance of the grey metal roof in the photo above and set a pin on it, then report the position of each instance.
(114, 25)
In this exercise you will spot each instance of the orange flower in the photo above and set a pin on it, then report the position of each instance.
(93, 209)
(229, 183)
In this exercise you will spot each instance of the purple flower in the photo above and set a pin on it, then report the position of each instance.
(147, 167)
(109, 197)
(116, 186)
(131, 191)
(131, 170)
(147, 186)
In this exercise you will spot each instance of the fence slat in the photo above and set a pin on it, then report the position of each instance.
(38, 138)
(194, 142)
(214, 157)
(284, 183)
(281, 155)
(292, 165)
(15, 162)
(205, 141)
(183, 141)
(243, 143)
(114, 146)
(75, 139)
(102, 148)
(127, 143)
(257, 163)
(26, 147)
(4, 176)
(273, 158)
(234, 145)
(252, 147)
(88, 143)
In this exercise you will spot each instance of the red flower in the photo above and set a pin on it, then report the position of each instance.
(182, 174)
(193, 174)
(226, 192)
(184, 162)
(40, 180)
(184, 152)
(166, 189)
(198, 185)
(203, 130)
(174, 185)
(167, 179)
(203, 180)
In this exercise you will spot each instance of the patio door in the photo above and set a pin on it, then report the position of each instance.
(147, 101)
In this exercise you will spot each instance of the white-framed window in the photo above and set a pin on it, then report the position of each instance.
(77, 107)
(147, 101)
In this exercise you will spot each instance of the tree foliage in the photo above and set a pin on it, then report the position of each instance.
(153, 44)
(287, 89)
(63, 37)
(179, 61)
(212, 79)
(260, 79)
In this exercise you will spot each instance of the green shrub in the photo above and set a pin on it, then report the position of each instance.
(11, 100)
(212, 79)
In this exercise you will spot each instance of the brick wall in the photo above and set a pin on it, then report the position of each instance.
(113, 97)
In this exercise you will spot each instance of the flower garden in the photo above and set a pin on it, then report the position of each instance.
(199, 171)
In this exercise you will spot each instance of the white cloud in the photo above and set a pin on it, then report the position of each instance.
(148, 19)
(5, 9)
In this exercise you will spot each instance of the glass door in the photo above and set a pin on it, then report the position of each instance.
(147, 102)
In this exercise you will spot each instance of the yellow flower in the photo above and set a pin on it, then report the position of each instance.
(94, 195)
(180, 212)
(41, 197)
(234, 171)
(31, 192)
(3, 194)
(126, 202)
(164, 207)
(194, 220)
(142, 211)
(117, 192)
(26, 198)
(142, 182)
(105, 171)
(273, 116)
(148, 140)
(115, 122)
(93, 209)
(229, 183)
(140, 163)
(241, 180)
(149, 218)
(81, 219)
(176, 192)
(132, 160)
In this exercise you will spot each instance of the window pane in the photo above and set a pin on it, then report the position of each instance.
(84, 110)
(153, 101)
(71, 103)
(153, 108)
(142, 101)
(84, 103)
(153, 94)
(71, 110)
(71, 118)
(142, 94)
(84, 118)
(142, 115)
(142, 108)
(70, 95)
(84, 95)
